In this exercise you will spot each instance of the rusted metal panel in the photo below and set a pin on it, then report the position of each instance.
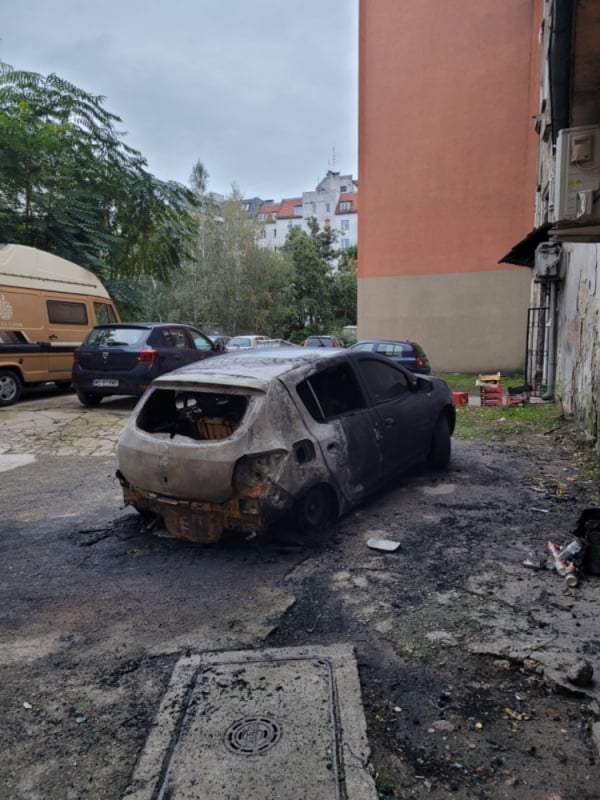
(205, 522)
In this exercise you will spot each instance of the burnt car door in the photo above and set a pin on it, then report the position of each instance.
(346, 428)
(403, 412)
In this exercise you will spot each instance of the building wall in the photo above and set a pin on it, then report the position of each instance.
(578, 363)
(574, 300)
(451, 331)
(447, 165)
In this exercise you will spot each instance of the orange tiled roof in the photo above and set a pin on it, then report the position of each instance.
(269, 210)
(286, 210)
(348, 197)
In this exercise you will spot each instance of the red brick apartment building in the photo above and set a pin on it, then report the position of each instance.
(448, 93)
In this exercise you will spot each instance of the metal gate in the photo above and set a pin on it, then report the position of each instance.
(537, 349)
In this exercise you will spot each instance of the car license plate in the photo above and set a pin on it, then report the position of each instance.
(106, 382)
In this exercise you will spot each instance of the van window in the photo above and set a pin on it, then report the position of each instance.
(104, 313)
(63, 312)
(12, 337)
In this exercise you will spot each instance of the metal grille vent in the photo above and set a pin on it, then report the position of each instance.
(252, 736)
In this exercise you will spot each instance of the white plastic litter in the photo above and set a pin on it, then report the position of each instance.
(387, 545)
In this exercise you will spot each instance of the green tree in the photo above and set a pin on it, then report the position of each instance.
(311, 287)
(344, 288)
(325, 239)
(71, 186)
(199, 179)
(230, 284)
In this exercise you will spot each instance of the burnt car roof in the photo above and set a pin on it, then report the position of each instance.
(257, 367)
(252, 367)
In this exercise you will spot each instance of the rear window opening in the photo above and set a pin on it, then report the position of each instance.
(197, 415)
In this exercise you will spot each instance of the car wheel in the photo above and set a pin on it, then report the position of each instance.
(314, 508)
(89, 399)
(440, 448)
(10, 387)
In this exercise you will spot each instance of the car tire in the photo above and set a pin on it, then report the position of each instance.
(10, 387)
(314, 509)
(440, 448)
(89, 399)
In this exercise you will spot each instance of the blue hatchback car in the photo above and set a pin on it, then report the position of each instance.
(408, 354)
(124, 358)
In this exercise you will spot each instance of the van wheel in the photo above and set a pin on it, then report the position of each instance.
(89, 399)
(10, 387)
(314, 508)
(440, 448)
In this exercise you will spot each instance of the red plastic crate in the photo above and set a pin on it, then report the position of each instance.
(491, 395)
(461, 398)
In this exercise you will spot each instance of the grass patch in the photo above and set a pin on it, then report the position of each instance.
(499, 423)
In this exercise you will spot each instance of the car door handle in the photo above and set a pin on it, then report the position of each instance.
(389, 422)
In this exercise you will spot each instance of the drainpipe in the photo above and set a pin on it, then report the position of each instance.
(551, 340)
(560, 60)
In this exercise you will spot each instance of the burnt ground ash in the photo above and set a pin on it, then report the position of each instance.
(462, 650)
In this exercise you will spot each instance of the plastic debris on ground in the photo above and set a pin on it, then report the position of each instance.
(386, 545)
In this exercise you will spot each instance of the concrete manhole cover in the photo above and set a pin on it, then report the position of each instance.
(252, 736)
(294, 714)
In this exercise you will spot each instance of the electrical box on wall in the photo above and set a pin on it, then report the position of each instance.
(577, 181)
(548, 264)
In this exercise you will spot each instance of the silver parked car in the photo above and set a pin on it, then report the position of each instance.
(241, 440)
(246, 341)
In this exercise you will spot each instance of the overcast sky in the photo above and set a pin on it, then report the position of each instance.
(263, 92)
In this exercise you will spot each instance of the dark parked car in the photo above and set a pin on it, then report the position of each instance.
(261, 434)
(408, 354)
(324, 340)
(124, 358)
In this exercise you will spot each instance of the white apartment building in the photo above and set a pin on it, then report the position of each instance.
(334, 202)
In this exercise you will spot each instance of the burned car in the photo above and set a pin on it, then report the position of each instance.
(242, 440)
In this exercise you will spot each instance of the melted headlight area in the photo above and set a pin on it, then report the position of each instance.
(192, 413)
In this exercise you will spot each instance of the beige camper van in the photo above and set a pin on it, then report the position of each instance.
(47, 307)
